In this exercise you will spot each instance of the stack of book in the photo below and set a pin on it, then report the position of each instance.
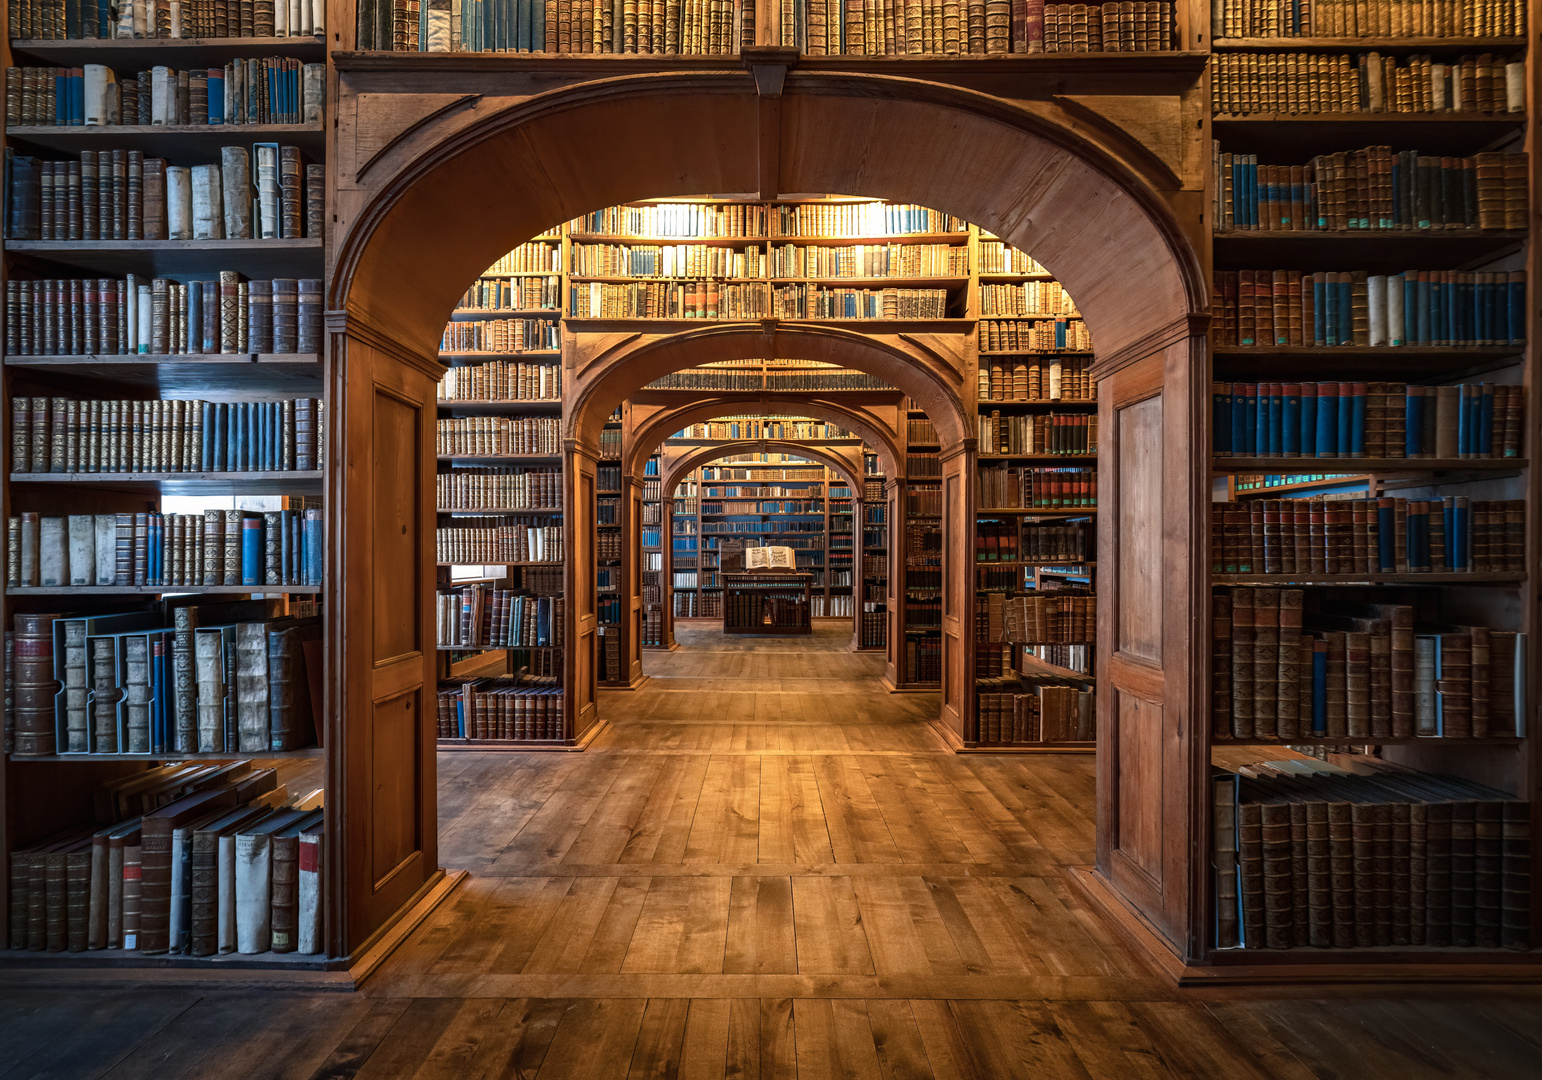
(502, 380)
(266, 90)
(531, 540)
(1299, 82)
(493, 436)
(503, 708)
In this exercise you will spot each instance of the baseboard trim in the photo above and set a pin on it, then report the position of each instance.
(384, 941)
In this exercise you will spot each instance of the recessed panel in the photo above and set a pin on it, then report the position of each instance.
(1140, 780)
(1139, 537)
(397, 526)
(395, 795)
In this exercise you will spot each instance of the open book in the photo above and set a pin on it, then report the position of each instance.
(770, 558)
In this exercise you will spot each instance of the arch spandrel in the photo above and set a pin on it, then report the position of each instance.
(678, 468)
(658, 423)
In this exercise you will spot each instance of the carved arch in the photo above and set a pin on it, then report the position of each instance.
(703, 455)
(879, 436)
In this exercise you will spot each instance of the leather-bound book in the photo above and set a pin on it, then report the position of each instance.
(1488, 860)
(155, 874)
(34, 686)
(254, 881)
(204, 871)
(285, 881)
(291, 722)
(1515, 881)
(310, 889)
(1250, 859)
(1363, 817)
(1277, 874)
(1463, 873)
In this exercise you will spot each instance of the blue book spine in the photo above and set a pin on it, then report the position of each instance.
(315, 546)
(460, 718)
(77, 96)
(1439, 328)
(1319, 312)
(1239, 421)
(1290, 427)
(61, 97)
(1307, 436)
(1261, 421)
(1486, 422)
(222, 437)
(1410, 309)
(1386, 535)
(1345, 441)
(1462, 530)
(1327, 420)
(1453, 543)
(1276, 420)
(1357, 421)
(1331, 313)
(206, 437)
(103, 19)
(1220, 417)
(1515, 311)
(251, 551)
(1345, 306)
(1413, 424)
(1319, 692)
(1251, 423)
(1422, 313)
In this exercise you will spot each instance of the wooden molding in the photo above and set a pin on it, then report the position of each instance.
(349, 324)
(412, 128)
(1192, 324)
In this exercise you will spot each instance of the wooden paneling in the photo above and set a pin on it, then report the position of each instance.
(396, 434)
(1139, 536)
(395, 793)
(1140, 772)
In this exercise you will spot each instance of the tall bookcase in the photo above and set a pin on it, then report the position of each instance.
(1295, 96)
(45, 794)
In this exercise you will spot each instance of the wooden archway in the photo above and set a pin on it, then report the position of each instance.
(432, 185)
(676, 468)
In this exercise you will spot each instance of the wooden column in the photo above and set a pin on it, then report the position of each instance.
(631, 575)
(579, 586)
(894, 644)
(1153, 476)
(958, 480)
(382, 815)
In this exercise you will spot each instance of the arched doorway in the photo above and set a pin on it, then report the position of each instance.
(1105, 231)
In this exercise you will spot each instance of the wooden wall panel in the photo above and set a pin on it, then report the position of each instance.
(1140, 775)
(395, 437)
(1139, 578)
(395, 794)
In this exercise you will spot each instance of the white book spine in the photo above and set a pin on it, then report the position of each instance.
(253, 893)
(82, 549)
(309, 888)
(53, 553)
(176, 18)
(1376, 300)
(208, 205)
(106, 528)
(178, 926)
(235, 171)
(163, 99)
(142, 333)
(1397, 332)
(179, 202)
(98, 77)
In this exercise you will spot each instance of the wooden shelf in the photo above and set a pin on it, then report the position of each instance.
(1432, 578)
(224, 755)
(772, 241)
(1037, 668)
(494, 408)
(157, 590)
(483, 511)
(1036, 405)
(1005, 276)
(185, 374)
(174, 52)
(941, 282)
(1304, 485)
(186, 144)
(1039, 459)
(496, 648)
(495, 562)
(1033, 511)
(474, 314)
(1221, 466)
(1300, 136)
(205, 483)
(181, 260)
(511, 356)
(1372, 740)
(1372, 250)
(1367, 44)
(494, 459)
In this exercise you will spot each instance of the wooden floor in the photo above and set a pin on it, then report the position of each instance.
(768, 868)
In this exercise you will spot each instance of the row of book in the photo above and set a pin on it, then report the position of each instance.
(1008, 712)
(62, 435)
(923, 466)
(51, 20)
(669, 300)
(1350, 670)
(532, 257)
(502, 708)
(1368, 536)
(225, 859)
(1370, 189)
(1372, 19)
(975, 27)
(791, 506)
(873, 626)
(817, 220)
(1359, 853)
(997, 257)
(868, 260)
(833, 607)
(1067, 378)
(780, 526)
(1417, 308)
(666, 260)
(821, 302)
(123, 195)
(765, 607)
(1039, 299)
(1304, 83)
(103, 316)
(1008, 541)
(757, 428)
(762, 491)
(502, 380)
(923, 659)
(1368, 419)
(1058, 618)
(703, 27)
(217, 678)
(1004, 487)
(500, 489)
(607, 547)
(920, 431)
(1045, 433)
(515, 543)
(1056, 334)
(479, 616)
(217, 547)
(492, 436)
(718, 379)
(257, 90)
(501, 336)
(512, 294)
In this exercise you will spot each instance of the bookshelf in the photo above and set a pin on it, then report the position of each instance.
(1291, 106)
(170, 511)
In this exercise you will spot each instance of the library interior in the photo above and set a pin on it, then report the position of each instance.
(829, 538)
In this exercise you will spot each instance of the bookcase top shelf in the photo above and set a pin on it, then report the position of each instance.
(1367, 44)
(173, 52)
(1282, 466)
(87, 591)
(212, 483)
(1374, 250)
(180, 259)
(184, 144)
(208, 379)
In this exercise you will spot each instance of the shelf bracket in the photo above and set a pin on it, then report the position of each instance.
(769, 64)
